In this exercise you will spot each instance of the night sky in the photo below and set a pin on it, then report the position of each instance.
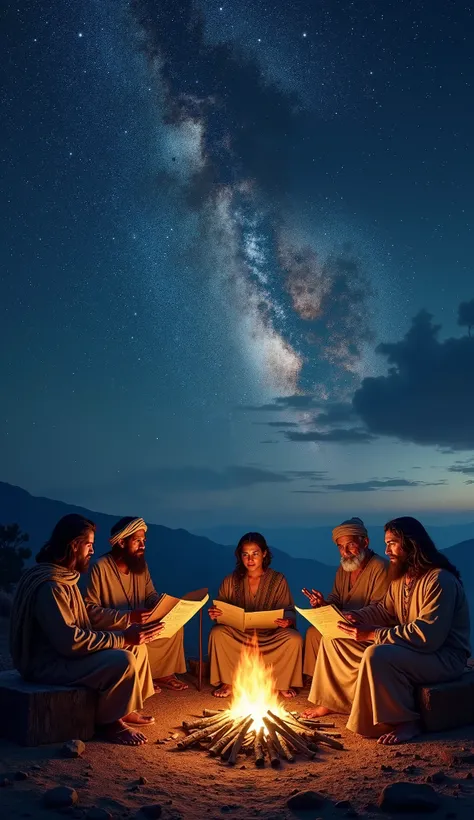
(237, 274)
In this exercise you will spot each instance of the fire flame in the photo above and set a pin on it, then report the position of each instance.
(253, 687)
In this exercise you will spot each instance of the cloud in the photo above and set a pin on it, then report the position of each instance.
(470, 481)
(374, 485)
(428, 395)
(278, 423)
(270, 441)
(464, 467)
(352, 435)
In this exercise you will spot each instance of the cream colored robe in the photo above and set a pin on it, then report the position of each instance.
(63, 649)
(110, 596)
(375, 683)
(370, 586)
(282, 648)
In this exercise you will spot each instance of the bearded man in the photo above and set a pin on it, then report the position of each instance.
(120, 592)
(419, 634)
(52, 640)
(361, 579)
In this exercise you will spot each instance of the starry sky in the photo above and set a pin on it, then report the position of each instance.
(236, 281)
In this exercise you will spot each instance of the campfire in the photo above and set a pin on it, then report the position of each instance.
(255, 723)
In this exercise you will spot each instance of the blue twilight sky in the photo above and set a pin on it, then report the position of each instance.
(236, 262)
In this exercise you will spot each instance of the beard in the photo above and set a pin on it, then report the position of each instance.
(135, 562)
(354, 562)
(397, 569)
(82, 564)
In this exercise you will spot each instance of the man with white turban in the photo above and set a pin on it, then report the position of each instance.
(361, 579)
(120, 592)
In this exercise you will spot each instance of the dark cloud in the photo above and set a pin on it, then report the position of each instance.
(469, 481)
(464, 467)
(428, 395)
(270, 441)
(466, 315)
(374, 485)
(278, 423)
(351, 435)
(336, 413)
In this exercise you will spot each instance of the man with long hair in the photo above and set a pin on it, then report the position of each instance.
(120, 592)
(418, 634)
(52, 640)
(361, 579)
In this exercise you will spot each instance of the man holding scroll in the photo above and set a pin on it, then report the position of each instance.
(120, 592)
(361, 579)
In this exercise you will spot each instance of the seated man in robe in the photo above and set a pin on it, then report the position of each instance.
(52, 640)
(361, 579)
(120, 592)
(418, 634)
(255, 587)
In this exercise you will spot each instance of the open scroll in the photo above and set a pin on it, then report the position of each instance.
(325, 619)
(240, 619)
(176, 612)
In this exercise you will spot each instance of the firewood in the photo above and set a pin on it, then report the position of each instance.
(201, 734)
(272, 753)
(211, 712)
(220, 731)
(202, 723)
(289, 734)
(334, 744)
(258, 748)
(222, 742)
(288, 754)
(269, 726)
(238, 741)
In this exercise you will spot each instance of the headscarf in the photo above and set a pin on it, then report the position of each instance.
(353, 526)
(133, 526)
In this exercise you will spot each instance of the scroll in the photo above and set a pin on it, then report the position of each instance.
(176, 612)
(325, 619)
(240, 619)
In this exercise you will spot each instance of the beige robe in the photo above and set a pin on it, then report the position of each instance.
(59, 646)
(110, 597)
(375, 683)
(282, 648)
(370, 586)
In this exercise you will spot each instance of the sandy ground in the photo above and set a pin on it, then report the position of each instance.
(190, 784)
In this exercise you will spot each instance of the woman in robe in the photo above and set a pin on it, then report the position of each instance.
(255, 587)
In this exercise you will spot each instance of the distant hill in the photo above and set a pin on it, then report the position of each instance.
(178, 561)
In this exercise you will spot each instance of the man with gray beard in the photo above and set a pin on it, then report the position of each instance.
(361, 579)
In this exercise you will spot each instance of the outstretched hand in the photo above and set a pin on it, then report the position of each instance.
(138, 634)
(315, 598)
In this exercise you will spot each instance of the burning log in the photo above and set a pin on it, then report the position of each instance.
(270, 727)
(202, 723)
(211, 712)
(272, 752)
(291, 736)
(258, 749)
(238, 741)
(220, 731)
(217, 748)
(289, 756)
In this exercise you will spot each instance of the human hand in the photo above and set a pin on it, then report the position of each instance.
(140, 616)
(284, 623)
(358, 632)
(214, 613)
(315, 598)
(138, 634)
(353, 617)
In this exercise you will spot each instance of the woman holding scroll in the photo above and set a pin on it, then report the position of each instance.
(255, 587)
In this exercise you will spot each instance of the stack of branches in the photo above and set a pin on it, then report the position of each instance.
(226, 737)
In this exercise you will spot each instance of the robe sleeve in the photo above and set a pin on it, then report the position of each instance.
(102, 617)
(151, 595)
(55, 616)
(428, 632)
(225, 592)
(283, 599)
(335, 596)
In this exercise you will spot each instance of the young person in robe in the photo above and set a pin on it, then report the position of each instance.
(418, 634)
(52, 640)
(120, 592)
(255, 587)
(361, 579)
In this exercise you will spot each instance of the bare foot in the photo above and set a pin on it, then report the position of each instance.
(288, 693)
(138, 720)
(172, 682)
(401, 732)
(223, 691)
(118, 733)
(317, 712)
(156, 688)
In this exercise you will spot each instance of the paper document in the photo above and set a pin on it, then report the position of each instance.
(325, 619)
(240, 619)
(176, 612)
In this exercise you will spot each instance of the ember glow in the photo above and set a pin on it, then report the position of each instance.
(254, 691)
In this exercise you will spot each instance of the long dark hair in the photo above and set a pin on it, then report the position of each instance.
(251, 538)
(58, 549)
(422, 554)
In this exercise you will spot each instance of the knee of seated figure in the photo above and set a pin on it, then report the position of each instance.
(126, 661)
(375, 654)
